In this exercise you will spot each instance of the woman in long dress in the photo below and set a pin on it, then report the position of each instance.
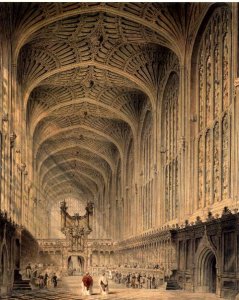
(104, 285)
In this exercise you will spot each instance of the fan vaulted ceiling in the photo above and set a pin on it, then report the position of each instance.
(89, 71)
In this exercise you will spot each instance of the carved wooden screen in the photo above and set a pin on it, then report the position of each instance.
(214, 109)
(171, 148)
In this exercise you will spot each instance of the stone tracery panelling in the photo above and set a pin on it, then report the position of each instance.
(51, 146)
(161, 17)
(51, 53)
(225, 156)
(71, 190)
(97, 129)
(73, 176)
(165, 19)
(54, 100)
(146, 196)
(129, 209)
(216, 163)
(74, 166)
(74, 179)
(119, 201)
(213, 60)
(117, 32)
(208, 168)
(201, 160)
(102, 37)
(61, 158)
(171, 138)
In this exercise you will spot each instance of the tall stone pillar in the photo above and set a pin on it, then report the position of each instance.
(184, 166)
(235, 106)
(235, 170)
(5, 115)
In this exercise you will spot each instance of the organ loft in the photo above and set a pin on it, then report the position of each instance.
(119, 148)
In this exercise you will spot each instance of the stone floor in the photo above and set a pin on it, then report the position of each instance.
(69, 289)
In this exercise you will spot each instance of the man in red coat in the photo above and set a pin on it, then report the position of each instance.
(87, 284)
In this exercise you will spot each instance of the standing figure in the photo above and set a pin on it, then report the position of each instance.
(128, 280)
(133, 280)
(149, 282)
(87, 284)
(54, 280)
(28, 271)
(153, 282)
(144, 281)
(104, 286)
(45, 280)
(41, 281)
(138, 284)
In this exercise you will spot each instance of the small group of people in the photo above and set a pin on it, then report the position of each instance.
(140, 266)
(46, 281)
(136, 280)
(87, 284)
(40, 277)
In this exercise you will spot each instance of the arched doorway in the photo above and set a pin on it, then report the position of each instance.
(75, 265)
(207, 272)
(4, 268)
(17, 254)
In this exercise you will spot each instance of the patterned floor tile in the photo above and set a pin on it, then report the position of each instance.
(69, 289)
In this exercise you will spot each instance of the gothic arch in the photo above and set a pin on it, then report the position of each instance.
(206, 271)
(4, 263)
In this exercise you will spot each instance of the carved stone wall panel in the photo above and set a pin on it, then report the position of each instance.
(171, 144)
(208, 168)
(200, 172)
(225, 156)
(201, 91)
(216, 164)
(213, 71)
(226, 50)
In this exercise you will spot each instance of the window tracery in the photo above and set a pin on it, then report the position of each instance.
(213, 69)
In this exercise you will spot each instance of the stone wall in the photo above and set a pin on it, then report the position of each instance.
(9, 252)
(29, 249)
(207, 255)
(17, 248)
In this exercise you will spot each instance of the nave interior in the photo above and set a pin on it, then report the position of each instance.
(119, 144)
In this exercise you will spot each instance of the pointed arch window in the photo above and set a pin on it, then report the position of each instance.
(214, 109)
